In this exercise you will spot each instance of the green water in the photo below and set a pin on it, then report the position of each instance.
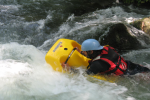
(29, 28)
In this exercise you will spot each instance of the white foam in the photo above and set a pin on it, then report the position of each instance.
(25, 75)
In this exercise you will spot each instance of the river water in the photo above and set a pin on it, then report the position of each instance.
(27, 31)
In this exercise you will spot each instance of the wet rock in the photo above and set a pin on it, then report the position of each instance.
(80, 7)
(125, 37)
(143, 24)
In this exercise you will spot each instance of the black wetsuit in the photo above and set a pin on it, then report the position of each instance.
(102, 66)
(97, 67)
(135, 68)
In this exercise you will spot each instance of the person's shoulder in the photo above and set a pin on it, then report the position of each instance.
(99, 66)
(99, 62)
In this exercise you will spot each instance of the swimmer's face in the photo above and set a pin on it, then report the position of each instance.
(84, 53)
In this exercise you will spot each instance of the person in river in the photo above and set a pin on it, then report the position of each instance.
(106, 60)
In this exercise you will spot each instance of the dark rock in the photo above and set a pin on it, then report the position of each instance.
(80, 7)
(121, 37)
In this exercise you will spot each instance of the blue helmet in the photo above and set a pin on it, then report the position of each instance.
(91, 44)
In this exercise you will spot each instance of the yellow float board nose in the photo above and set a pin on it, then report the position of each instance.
(61, 50)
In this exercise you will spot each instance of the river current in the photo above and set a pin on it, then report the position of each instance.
(27, 31)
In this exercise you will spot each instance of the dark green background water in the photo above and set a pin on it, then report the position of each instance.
(29, 28)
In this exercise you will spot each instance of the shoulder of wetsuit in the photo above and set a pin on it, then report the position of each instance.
(99, 66)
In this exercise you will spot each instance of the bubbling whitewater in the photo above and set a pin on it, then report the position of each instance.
(24, 75)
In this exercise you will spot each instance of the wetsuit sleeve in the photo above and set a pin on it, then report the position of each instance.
(97, 67)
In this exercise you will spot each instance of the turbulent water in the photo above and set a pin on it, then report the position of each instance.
(29, 29)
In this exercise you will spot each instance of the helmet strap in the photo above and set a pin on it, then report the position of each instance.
(89, 54)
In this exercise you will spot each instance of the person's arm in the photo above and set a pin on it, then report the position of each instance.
(65, 67)
(97, 67)
(68, 68)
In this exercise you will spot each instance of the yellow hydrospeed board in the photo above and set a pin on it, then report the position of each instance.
(61, 50)
(64, 50)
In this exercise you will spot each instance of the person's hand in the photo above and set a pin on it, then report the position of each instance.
(66, 67)
(78, 49)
